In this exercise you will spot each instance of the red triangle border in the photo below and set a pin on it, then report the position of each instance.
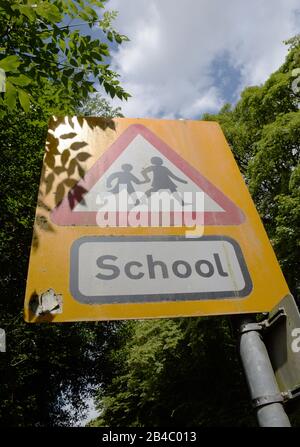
(63, 213)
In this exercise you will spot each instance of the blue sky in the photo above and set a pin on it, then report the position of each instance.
(226, 76)
(190, 57)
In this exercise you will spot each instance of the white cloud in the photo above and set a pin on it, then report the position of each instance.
(167, 65)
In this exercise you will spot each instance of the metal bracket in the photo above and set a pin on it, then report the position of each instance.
(265, 324)
(269, 322)
(248, 327)
(263, 327)
(291, 394)
(267, 400)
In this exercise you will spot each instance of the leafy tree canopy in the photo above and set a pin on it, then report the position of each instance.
(263, 130)
(182, 372)
(96, 105)
(42, 41)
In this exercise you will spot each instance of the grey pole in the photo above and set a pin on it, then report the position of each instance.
(265, 394)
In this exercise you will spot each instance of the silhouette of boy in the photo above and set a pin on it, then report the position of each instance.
(124, 178)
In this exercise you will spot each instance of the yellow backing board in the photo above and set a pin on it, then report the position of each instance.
(226, 266)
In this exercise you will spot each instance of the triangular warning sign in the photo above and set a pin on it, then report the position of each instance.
(133, 178)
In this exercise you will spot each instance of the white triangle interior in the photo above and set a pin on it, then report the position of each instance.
(138, 154)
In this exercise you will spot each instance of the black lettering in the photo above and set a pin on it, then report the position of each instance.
(188, 269)
(114, 268)
(219, 265)
(129, 272)
(152, 264)
(200, 272)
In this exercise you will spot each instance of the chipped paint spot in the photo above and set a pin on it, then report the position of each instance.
(49, 303)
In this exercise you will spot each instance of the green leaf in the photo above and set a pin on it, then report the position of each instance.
(68, 72)
(11, 96)
(91, 12)
(24, 100)
(83, 15)
(21, 80)
(73, 7)
(118, 38)
(10, 63)
(96, 55)
(78, 76)
(49, 12)
(125, 38)
(104, 50)
(28, 11)
(62, 44)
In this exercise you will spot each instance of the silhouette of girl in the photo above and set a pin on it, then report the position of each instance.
(161, 177)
